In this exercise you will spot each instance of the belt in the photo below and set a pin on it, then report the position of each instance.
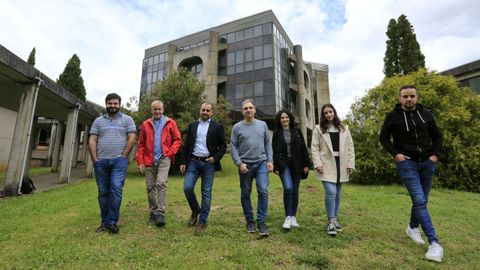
(199, 158)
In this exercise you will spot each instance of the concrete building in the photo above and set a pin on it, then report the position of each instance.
(29, 103)
(467, 75)
(252, 57)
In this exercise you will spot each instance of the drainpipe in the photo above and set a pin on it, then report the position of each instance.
(29, 134)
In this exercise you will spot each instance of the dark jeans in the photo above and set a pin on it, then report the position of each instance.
(259, 171)
(206, 170)
(418, 177)
(291, 184)
(110, 175)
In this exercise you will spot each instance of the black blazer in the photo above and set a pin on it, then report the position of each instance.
(299, 158)
(215, 142)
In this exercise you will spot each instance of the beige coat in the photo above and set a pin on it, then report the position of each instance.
(322, 155)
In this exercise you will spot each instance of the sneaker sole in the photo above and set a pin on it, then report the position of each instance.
(435, 259)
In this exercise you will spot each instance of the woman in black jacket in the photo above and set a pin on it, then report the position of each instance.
(290, 160)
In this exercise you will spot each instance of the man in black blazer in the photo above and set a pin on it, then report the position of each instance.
(203, 148)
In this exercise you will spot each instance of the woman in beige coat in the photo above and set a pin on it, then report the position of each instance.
(333, 159)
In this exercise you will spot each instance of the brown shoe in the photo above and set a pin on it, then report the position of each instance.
(200, 228)
(194, 218)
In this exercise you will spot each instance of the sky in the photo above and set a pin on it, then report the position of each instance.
(110, 37)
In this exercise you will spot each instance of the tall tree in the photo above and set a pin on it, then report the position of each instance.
(403, 54)
(71, 78)
(181, 94)
(31, 57)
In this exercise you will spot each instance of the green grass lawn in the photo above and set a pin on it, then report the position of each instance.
(55, 230)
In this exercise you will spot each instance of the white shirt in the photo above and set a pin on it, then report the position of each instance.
(200, 148)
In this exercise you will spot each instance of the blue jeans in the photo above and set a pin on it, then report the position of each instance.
(291, 183)
(259, 171)
(206, 170)
(333, 194)
(110, 175)
(418, 177)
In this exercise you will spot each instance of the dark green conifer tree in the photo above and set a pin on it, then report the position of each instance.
(71, 78)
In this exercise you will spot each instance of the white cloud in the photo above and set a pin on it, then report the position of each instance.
(110, 36)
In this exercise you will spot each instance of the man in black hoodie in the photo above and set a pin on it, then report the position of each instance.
(417, 144)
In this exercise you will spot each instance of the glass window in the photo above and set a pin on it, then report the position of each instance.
(230, 92)
(155, 59)
(230, 70)
(258, 64)
(239, 91)
(257, 31)
(259, 101)
(267, 63)
(239, 35)
(149, 77)
(267, 51)
(150, 69)
(248, 66)
(268, 88)
(154, 76)
(248, 54)
(239, 68)
(257, 53)
(248, 33)
(222, 60)
(267, 28)
(239, 57)
(248, 90)
(258, 86)
(231, 58)
(231, 38)
(161, 74)
(150, 61)
(145, 62)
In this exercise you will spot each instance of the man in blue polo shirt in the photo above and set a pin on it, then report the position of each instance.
(112, 137)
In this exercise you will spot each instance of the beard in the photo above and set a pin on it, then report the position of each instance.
(112, 110)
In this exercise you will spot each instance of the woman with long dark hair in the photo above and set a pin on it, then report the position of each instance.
(333, 158)
(290, 161)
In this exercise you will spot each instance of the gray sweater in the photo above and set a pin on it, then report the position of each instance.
(250, 142)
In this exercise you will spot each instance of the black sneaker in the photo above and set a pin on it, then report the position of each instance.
(160, 220)
(250, 226)
(113, 228)
(101, 228)
(153, 219)
(337, 225)
(262, 229)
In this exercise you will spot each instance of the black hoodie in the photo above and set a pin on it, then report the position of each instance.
(415, 133)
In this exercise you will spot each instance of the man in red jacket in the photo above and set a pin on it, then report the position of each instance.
(158, 143)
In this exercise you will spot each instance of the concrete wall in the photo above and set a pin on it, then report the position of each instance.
(7, 118)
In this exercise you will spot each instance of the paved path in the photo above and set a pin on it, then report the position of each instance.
(49, 181)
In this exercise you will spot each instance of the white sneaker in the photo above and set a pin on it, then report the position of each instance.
(435, 252)
(293, 222)
(286, 224)
(414, 234)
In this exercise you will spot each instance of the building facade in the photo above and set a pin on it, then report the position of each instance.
(467, 75)
(252, 57)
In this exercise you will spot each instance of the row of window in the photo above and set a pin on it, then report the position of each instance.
(251, 32)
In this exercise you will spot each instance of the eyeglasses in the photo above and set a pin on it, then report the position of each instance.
(411, 96)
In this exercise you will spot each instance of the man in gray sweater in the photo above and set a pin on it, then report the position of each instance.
(251, 151)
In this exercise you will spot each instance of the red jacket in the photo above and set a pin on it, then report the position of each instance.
(171, 141)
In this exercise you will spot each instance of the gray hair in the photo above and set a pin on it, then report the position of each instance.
(247, 101)
(156, 102)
